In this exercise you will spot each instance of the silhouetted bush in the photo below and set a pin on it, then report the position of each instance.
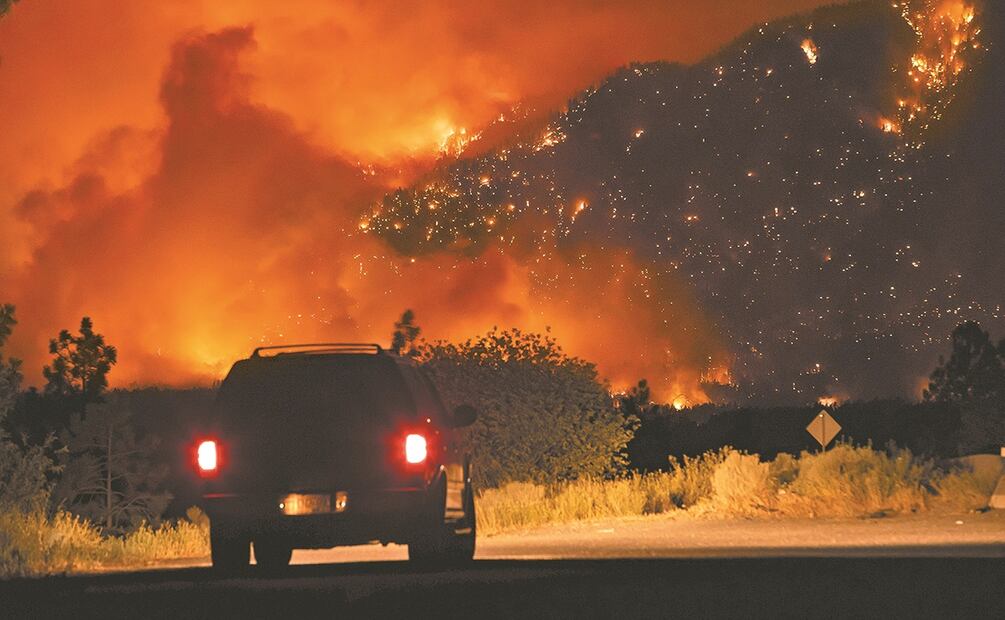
(543, 416)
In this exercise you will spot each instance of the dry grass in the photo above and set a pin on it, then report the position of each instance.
(522, 505)
(969, 483)
(35, 544)
(743, 485)
(171, 541)
(845, 481)
(848, 482)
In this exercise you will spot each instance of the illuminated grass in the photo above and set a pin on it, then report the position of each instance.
(845, 481)
(35, 544)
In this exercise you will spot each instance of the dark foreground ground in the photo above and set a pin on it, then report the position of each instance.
(801, 587)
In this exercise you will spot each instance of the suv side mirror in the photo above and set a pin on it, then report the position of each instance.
(464, 415)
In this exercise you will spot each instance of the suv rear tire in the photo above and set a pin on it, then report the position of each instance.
(229, 549)
(446, 543)
(461, 545)
(272, 553)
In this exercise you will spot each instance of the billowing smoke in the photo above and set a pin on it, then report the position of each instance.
(199, 210)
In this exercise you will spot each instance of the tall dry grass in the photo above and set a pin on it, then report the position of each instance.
(35, 544)
(850, 481)
(846, 481)
(521, 505)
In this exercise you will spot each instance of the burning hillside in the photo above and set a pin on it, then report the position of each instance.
(748, 226)
(779, 187)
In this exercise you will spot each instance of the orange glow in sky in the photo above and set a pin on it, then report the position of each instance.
(191, 174)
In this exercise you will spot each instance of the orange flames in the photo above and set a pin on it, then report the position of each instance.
(889, 126)
(811, 51)
(199, 194)
(947, 34)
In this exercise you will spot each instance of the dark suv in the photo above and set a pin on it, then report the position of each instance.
(315, 446)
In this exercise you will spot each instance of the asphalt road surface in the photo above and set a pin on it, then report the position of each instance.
(919, 567)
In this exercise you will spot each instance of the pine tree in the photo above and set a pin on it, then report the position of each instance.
(81, 364)
(405, 335)
(108, 476)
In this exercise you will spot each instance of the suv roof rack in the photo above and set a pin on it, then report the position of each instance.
(321, 348)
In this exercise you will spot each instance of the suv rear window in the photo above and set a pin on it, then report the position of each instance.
(342, 390)
(427, 400)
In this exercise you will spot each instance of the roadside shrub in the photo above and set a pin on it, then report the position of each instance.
(784, 468)
(743, 485)
(968, 483)
(961, 492)
(853, 481)
(543, 416)
(24, 472)
(690, 480)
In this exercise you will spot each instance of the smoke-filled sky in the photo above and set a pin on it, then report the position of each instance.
(188, 173)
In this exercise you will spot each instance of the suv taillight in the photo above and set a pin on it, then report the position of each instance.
(207, 457)
(415, 448)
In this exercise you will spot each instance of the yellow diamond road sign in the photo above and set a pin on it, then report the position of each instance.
(823, 428)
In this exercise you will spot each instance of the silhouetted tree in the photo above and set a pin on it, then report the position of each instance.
(10, 374)
(636, 401)
(406, 332)
(24, 471)
(81, 364)
(972, 372)
(7, 323)
(973, 379)
(108, 474)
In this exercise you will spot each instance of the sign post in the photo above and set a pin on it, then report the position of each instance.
(823, 428)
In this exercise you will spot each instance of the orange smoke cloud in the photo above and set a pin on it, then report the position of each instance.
(202, 210)
(371, 80)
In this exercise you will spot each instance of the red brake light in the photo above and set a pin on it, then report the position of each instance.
(207, 457)
(415, 448)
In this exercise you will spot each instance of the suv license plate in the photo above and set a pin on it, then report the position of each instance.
(304, 504)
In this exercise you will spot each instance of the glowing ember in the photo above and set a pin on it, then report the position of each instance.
(550, 138)
(810, 49)
(719, 375)
(828, 401)
(889, 126)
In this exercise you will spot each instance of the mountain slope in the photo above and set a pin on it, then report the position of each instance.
(827, 186)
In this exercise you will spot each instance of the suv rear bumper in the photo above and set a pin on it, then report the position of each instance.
(393, 515)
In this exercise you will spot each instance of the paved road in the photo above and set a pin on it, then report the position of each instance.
(976, 535)
(906, 567)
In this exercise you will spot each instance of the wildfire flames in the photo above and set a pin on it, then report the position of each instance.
(889, 126)
(200, 194)
(947, 34)
(810, 49)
